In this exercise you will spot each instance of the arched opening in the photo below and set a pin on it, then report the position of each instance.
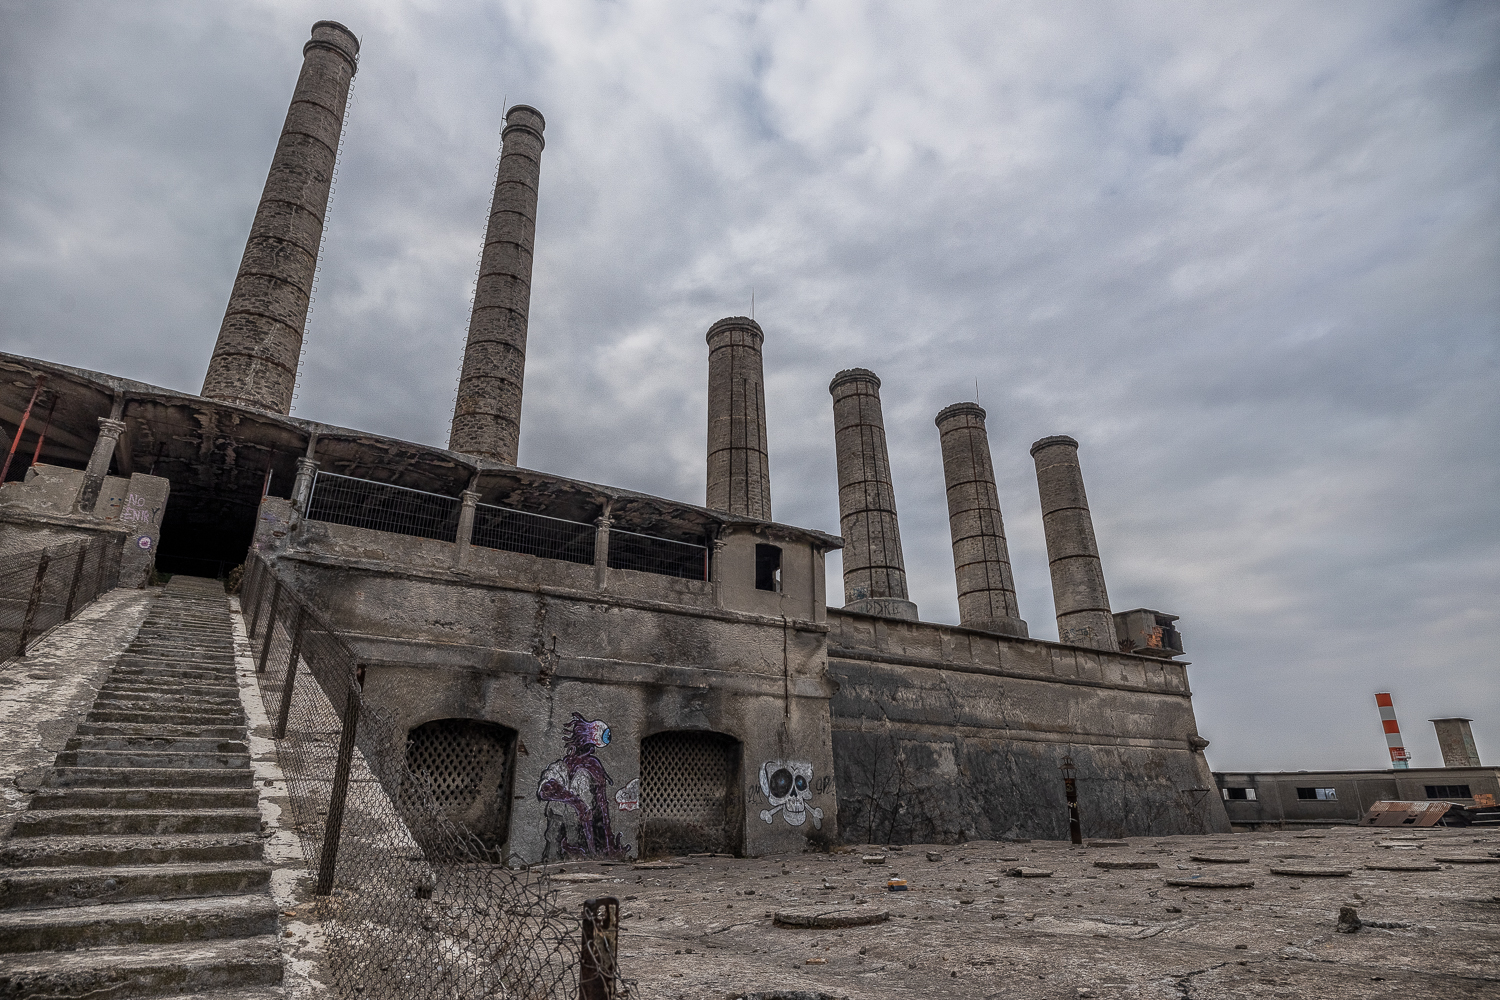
(467, 767)
(690, 800)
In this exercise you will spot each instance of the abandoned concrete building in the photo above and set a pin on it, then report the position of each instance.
(591, 671)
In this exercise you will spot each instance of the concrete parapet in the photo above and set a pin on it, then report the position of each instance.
(255, 359)
(1083, 617)
(981, 559)
(874, 571)
(739, 465)
(487, 412)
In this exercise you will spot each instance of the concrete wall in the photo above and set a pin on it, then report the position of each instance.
(526, 642)
(944, 734)
(1276, 802)
(39, 512)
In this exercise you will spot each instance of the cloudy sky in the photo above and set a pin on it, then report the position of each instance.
(1246, 254)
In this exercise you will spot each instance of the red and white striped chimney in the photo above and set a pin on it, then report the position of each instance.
(1399, 756)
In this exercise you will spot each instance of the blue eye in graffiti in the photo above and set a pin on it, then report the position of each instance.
(604, 737)
(801, 783)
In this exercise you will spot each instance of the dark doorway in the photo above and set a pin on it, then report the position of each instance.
(466, 766)
(690, 800)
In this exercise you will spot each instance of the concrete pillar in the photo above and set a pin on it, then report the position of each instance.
(739, 466)
(487, 413)
(981, 560)
(874, 572)
(255, 360)
(110, 429)
(1456, 740)
(601, 549)
(464, 536)
(307, 473)
(1083, 617)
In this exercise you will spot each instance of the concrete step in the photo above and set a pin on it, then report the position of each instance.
(88, 822)
(150, 777)
(180, 744)
(150, 758)
(38, 888)
(216, 664)
(131, 850)
(142, 971)
(139, 922)
(170, 704)
(145, 798)
(160, 718)
(139, 688)
(148, 731)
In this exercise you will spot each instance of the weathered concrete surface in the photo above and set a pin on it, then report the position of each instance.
(487, 411)
(525, 642)
(1456, 741)
(44, 696)
(255, 359)
(1078, 592)
(874, 571)
(967, 931)
(949, 734)
(739, 469)
(981, 559)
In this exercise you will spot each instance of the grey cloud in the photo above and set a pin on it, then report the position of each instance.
(1245, 255)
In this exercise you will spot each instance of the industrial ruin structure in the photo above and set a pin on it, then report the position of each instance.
(587, 671)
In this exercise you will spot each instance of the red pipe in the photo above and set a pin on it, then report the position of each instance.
(45, 428)
(5, 470)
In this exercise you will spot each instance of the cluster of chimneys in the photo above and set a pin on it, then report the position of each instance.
(739, 481)
(255, 364)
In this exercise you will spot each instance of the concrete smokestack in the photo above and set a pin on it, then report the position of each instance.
(981, 560)
(874, 572)
(487, 413)
(255, 360)
(739, 470)
(1083, 617)
(1456, 740)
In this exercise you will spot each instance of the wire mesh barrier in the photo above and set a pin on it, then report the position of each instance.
(414, 903)
(649, 554)
(44, 587)
(533, 534)
(363, 503)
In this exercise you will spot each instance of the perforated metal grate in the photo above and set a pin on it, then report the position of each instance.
(466, 764)
(687, 785)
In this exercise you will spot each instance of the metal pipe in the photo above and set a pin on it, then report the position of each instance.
(5, 470)
(37, 454)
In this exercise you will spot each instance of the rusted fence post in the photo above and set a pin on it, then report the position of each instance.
(598, 971)
(1070, 788)
(34, 603)
(265, 646)
(334, 825)
(291, 675)
(253, 592)
(83, 551)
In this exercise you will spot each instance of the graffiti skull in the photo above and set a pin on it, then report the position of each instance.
(788, 786)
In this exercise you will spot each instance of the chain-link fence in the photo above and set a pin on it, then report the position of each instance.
(44, 587)
(413, 903)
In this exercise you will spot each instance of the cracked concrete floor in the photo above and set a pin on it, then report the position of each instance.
(966, 929)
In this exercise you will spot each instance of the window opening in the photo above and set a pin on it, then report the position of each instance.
(1320, 794)
(768, 567)
(1240, 794)
(1448, 792)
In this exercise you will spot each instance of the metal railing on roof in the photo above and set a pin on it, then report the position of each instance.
(363, 503)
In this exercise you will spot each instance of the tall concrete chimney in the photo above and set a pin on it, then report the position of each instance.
(874, 573)
(255, 360)
(981, 560)
(1083, 617)
(739, 470)
(1456, 740)
(487, 413)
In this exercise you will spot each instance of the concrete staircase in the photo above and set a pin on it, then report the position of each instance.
(137, 871)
